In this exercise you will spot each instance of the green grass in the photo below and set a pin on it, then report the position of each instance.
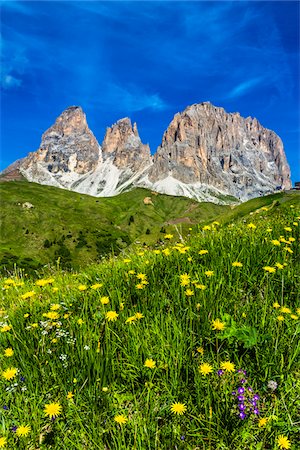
(102, 362)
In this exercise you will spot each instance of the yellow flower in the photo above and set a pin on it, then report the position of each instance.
(206, 228)
(23, 430)
(105, 389)
(184, 279)
(228, 366)
(285, 310)
(82, 287)
(269, 230)
(262, 422)
(53, 315)
(150, 363)
(70, 395)
(276, 305)
(28, 295)
(104, 300)
(130, 319)
(237, 264)
(131, 272)
(288, 249)
(169, 236)
(295, 223)
(55, 289)
(52, 410)
(141, 276)
(283, 442)
(275, 242)
(200, 286)
(10, 373)
(156, 252)
(209, 273)
(189, 292)
(178, 408)
(218, 325)
(55, 306)
(205, 369)
(200, 350)
(121, 306)
(3, 442)
(111, 316)
(279, 266)
(139, 315)
(166, 252)
(280, 318)
(126, 260)
(80, 321)
(292, 239)
(96, 286)
(8, 352)
(269, 269)
(140, 286)
(288, 229)
(298, 311)
(203, 252)
(251, 226)
(121, 420)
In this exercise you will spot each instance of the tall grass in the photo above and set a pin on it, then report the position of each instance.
(101, 362)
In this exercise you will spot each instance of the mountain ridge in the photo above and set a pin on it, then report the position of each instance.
(206, 154)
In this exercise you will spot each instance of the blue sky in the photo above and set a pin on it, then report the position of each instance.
(147, 60)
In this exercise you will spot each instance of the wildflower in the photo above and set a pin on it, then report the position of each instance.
(285, 310)
(120, 419)
(141, 276)
(82, 287)
(70, 395)
(55, 306)
(10, 373)
(295, 223)
(169, 236)
(96, 286)
(178, 408)
(198, 306)
(251, 226)
(74, 380)
(139, 316)
(227, 366)
(126, 260)
(8, 352)
(80, 321)
(237, 264)
(279, 266)
(52, 410)
(53, 315)
(121, 306)
(293, 316)
(55, 289)
(200, 350)
(298, 311)
(269, 230)
(292, 239)
(111, 316)
(184, 279)
(130, 319)
(218, 325)
(269, 269)
(140, 286)
(26, 315)
(3, 442)
(276, 305)
(23, 430)
(200, 286)
(189, 292)
(275, 242)
(262, 422)
(150, 363)
(288, 229)
(272, 385)
(288, 249)
(280, 318)
(209, 273)
(166, 252)
(28, 295)
(104, 300)
(283, 442)
(206, 228)
(205, 369)
(105, 389)
(203, 252)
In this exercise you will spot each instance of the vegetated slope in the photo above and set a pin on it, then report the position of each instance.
(80, 229)
(193, 345)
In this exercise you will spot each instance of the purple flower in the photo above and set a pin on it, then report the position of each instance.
(242, 415)
(241, 398)
(253, 403)
(6, 408)
(243, 381)
(240, 371)
(220, 372)
(255, 411)
(241, 390)
(255, 397)
(242, 407)
(14, 428)
(245, 372)
(182, 438)
(250, 389)
(233, 393)
(22, 378)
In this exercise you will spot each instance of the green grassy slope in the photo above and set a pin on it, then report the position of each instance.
(81, 229)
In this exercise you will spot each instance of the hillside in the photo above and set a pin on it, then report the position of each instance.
(78, 229)
(190, 346)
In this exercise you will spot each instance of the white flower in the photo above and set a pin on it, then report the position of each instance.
(86, 347)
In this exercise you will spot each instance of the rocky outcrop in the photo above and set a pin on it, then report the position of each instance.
(206, 154)
(206, 146)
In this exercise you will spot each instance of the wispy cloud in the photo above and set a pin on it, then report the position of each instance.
(246, 86)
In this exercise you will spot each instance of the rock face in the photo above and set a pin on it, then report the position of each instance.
(206, 154)
(205, 146)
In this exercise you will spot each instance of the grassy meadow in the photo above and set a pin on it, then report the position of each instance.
(190, 344)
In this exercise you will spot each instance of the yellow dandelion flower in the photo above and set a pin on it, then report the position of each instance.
(202, 287)
(283, 442)
(111, 316)
(28, 295)
(150, 363)
(23, 430)
(120, 419)
(130, 319)
(293, 316)
(166, 252)
(276, 305)
(205, 369)
(80, 321)
(156, 252)
(53, 315)
(189, 293)
(141, 276)
(200, 350)
(269, 230)
(279, 266)
(96, 286)
(209, 273)
(280, 318)
(140, 286)
(288, 249)
(131, 272)
(206, 228)
(126, 260)
(295, 223)
(104, 300)
(178, 408)
(105, 389)
(237, 264)
(269, 269)
(251, 226)
(52, 410)
(82, 287)
(55, 306)
(288, 229)
(203, 252)
(285, 310)
(139, 316)
(10, 373)
(218, 325)
(169, 236)
(262, 422)
(298, 311)
(292, 239)
(3, 442)
(275, 242)
(227, 366)
(185, 279)
(8, 352)
(55, 289)
(70, 395)
(121, 306)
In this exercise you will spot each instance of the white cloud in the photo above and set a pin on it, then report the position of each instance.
(8, 81)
